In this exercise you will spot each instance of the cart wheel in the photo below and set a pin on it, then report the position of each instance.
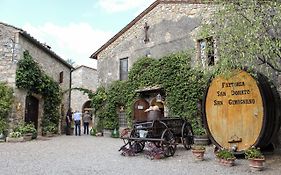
(137, 146)
(168, 145)
(187, 135)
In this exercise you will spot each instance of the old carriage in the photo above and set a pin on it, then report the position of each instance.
(165, 134)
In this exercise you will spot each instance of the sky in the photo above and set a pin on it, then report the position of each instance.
(73, 28)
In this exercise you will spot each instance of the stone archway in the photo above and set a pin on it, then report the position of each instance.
(87, 107)
(31, 110)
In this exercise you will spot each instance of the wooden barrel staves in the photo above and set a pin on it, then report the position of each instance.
(240, 111)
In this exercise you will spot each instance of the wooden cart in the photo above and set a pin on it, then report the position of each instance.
(165, 134)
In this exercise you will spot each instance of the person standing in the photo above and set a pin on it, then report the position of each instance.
(77, 120)
(86, 121)
(68, 121)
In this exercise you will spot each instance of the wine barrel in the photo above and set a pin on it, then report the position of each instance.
(240, 111)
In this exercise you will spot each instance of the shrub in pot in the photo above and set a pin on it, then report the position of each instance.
(256, 158)
(225, 157)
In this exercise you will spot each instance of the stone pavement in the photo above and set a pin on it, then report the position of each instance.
(79, 155)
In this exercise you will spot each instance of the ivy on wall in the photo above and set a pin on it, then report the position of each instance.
(6, 100)
(184, 87)
(30, 77)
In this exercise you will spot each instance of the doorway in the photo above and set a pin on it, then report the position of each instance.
(31, 110)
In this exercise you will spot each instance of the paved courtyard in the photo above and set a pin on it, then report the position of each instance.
(67, 155)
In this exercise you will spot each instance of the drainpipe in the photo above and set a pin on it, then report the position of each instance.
(70, 82)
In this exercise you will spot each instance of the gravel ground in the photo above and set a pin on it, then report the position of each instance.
(67, 155)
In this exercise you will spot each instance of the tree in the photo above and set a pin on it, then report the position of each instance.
(248, 33)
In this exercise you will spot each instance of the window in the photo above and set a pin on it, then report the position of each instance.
(206, 51)
(61, 77)
(123, 69)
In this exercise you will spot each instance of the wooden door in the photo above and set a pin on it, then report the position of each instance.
(31, 110)
(139, 107)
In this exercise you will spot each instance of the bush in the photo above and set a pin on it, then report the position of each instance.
(6, 100)
(225, 154)
(51, 127)
(253, 153)
(93, 132)
(25, 128)
(15, 134)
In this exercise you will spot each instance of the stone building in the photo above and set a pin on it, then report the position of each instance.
(165, 27)
(86, 78)
(13, 42)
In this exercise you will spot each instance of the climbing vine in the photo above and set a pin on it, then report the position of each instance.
(6, 100)
(30, 77)
(184, 87)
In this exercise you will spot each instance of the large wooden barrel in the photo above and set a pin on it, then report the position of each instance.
(240, 111)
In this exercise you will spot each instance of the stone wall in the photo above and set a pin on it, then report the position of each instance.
(172, 28)
(82, 77)
(12, 45)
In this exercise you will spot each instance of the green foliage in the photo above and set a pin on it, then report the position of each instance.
(30, 77)
(198, 130)
(15, 134)
(248, 33)
(51, 127)
(225, 154)
(25, 128)
(93, 132)
(183, 86)
(253, 153)
(198, 147)
(6, 100)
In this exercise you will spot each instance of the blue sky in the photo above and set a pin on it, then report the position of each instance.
(73, 28)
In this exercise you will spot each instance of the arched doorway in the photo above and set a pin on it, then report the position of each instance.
(87, 107)
(31, 110)
(139, 107)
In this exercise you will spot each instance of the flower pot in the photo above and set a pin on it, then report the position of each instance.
(226, 162)
(256, 164)
(12, 139)
(198, 154)
(201, 140)
(2, 137)
(27, 136)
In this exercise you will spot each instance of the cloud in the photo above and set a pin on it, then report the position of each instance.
(76, 41)
(113, 6)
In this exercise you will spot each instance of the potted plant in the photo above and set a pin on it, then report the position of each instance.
(256, 158)
(198, 151)
(200, 136)
(50, 129)
(225, 157)
(14, 136)
(27, 130)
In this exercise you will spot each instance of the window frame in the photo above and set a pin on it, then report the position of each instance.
(123, 75)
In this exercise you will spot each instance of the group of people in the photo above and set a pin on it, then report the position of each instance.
(78, 117)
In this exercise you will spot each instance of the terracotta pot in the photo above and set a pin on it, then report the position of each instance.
(198, 154)
(256, 164)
